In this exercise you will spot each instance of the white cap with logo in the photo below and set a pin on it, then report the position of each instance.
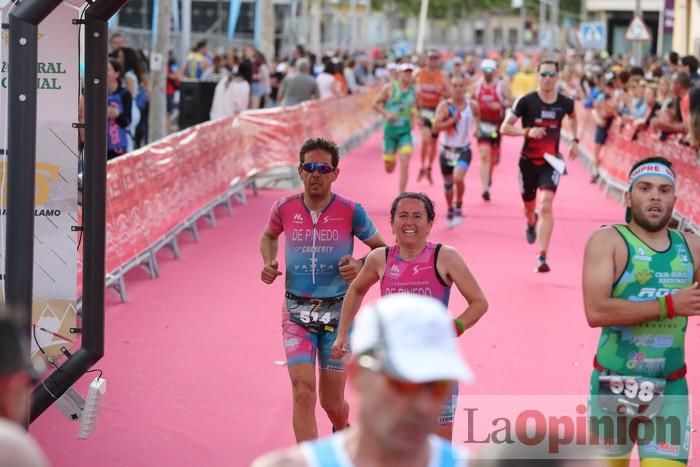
(488, 65)
(413, 337)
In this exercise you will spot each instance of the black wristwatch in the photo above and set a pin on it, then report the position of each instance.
(575, 140)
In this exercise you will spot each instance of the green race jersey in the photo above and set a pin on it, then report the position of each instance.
(401, 103)
(655, 348)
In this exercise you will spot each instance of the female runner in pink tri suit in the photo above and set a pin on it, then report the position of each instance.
(414, 265)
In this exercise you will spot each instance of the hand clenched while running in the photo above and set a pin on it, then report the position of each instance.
(687, 301)
(349, 267)
(340, 347)
(269, 272)
(573, 151)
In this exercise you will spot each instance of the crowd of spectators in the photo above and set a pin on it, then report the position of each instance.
(660, 96)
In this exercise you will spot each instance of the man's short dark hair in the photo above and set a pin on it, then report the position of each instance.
(422, 197)
(683, 79)
(548, 62)
(652, 160)
(313, 144)
(673, 58)
(691, 62)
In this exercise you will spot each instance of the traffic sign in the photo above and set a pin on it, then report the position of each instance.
(594, 35)
(638, 30)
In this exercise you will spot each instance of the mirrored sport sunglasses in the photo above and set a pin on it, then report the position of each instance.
(438, 389)
(548, 74)
(322, 167)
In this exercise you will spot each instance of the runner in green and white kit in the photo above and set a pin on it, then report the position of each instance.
(397, 102)
(640, 286)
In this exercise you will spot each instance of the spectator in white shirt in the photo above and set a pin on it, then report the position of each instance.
(232, 94)
(327, 84)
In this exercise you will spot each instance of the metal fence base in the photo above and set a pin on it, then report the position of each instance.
(117, 285)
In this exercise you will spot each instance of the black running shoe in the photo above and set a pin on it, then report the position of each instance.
(531, 231)
(486, 196)
(542, 265)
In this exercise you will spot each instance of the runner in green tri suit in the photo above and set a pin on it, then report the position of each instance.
(397, 102)
(640, 285)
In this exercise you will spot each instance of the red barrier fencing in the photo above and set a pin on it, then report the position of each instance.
(154, 192)
(620, 152)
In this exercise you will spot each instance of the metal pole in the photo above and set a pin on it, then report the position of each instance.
(637, 45)
(186, 37)
(422, 23)
(353, 24)
(94, 210)
(541, 30)
(660, 31)
(294, 23)
(521, 30)
(555, 23)
(315, 27)
(305, 31)
(159, 72)
(21, 155)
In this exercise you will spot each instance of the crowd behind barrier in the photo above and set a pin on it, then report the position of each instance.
(158, 191)
(621, 151)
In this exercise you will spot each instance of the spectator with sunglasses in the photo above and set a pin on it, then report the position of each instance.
(405, 363)
(414, 265)
(17, 378)
(320, 227)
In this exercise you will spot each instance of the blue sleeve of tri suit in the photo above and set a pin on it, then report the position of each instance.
(362, 225)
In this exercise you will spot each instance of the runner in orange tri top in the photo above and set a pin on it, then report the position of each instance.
(431, 87)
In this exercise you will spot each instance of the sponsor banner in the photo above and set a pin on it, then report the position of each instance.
(56, 195)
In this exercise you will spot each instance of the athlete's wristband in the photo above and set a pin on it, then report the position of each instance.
(459, 327)
(663, 314)
(670, 309)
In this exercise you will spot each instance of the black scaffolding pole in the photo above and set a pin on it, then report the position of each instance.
(94, 210)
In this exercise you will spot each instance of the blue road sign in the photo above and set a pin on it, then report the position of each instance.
(594, 35)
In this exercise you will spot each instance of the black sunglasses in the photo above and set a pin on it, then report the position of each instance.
(548, 74)
(322, 167)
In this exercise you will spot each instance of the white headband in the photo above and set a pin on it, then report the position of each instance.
(652, 169)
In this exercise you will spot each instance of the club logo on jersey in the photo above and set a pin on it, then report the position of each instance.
(643, 276)
(394, 269)
(548, 115)
(298, 219)
(327, 219)
(417, 269)
(642, 255)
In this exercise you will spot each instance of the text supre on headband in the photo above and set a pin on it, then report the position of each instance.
(652, 169)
